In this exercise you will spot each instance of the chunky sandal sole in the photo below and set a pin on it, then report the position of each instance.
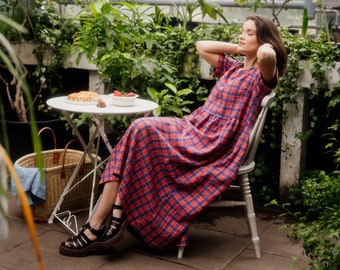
(91, 249)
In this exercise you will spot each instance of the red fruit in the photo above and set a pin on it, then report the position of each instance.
(101, 104)
(131, 94)
(117, 93)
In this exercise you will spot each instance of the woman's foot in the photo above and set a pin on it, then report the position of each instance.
(115, 231)
(83, 244)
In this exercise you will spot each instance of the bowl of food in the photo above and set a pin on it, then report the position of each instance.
(122, 99)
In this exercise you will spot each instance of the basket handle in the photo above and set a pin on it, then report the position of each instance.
(53, 134)
(62, 173)
(56, 156)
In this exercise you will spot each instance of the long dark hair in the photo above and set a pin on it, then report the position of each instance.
(267, 32)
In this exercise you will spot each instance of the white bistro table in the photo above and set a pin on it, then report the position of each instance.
(98, 116)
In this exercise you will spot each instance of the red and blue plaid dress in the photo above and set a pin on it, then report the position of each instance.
(170, 169)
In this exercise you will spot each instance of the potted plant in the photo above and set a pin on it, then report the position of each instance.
(41, 52)
(48, 39)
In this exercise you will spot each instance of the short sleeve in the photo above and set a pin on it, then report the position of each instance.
(223, 64)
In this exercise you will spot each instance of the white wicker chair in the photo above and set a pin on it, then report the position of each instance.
(244, 186)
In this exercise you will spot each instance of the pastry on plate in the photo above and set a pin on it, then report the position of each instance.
(83, 96)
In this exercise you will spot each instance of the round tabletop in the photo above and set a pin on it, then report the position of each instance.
(140, 106)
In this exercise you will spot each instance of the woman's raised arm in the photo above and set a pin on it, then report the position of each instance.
(211, 50)
(266, 59)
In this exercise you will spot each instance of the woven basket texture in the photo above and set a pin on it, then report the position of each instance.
(57, 177)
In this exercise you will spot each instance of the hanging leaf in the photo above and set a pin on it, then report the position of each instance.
(304, 23)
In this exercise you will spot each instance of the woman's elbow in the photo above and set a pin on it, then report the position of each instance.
(200, 47)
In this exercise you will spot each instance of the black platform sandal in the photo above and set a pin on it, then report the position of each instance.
(81, 245)
(115, 231)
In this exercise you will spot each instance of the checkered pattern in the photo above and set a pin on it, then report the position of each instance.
(170, 169)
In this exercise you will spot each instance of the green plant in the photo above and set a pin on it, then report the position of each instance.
(317, 199)
(318, 226)
(333, 145)
(136, 49)
(316, 56)
(27, 211)
(170, 100)
(116, 37)
(323, 19)
(9, 58)
(191, 9)
(261, 180)
(9, 30)
(304, 23)
(51, 33)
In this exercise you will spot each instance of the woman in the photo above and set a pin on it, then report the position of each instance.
(166, 170)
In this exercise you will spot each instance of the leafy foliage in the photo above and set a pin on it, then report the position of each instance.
(189, 10)
(171, 100)
(51, 33)
(315, 56)
(141, 52)
(318, 201)
(8, 56)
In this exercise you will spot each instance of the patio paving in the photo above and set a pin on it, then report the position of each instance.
(218, 240)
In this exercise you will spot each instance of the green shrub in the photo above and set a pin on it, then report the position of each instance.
(319, 229)
(317, 198)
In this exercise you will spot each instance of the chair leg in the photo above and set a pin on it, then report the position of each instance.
(251, 218)
(180, 252)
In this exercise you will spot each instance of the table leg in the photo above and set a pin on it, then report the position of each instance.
(68, 218)
(100, 128)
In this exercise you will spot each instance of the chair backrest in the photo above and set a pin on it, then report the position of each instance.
(256, 132)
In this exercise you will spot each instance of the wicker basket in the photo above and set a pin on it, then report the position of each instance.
(59, 165)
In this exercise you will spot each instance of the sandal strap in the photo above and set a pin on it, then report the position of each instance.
(79, 240)
(118, 206)
(116, 220)
(97, 233)
(116, 223)
(115, 226)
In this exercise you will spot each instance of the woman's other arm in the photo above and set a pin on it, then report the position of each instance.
(211, 50)
(266, 59)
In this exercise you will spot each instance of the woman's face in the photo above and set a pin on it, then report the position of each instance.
(248, 42)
